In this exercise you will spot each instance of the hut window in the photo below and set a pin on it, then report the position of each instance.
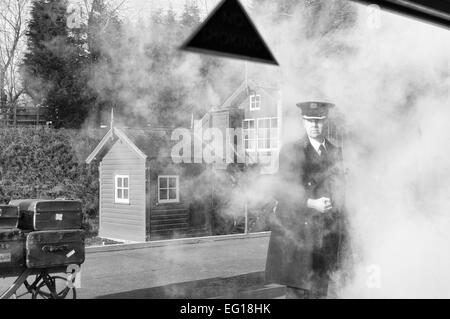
(122, 189)
(168, 189)
(249, 134)
(255, 102)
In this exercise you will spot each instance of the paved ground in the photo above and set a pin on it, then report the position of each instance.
(158, 271)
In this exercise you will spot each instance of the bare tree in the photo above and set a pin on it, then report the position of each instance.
(13, 16)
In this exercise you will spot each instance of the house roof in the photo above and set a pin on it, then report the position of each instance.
(105, 144)
(151, 142)
(243, 91)
(156, 142)
(147, 143)
(101, 148)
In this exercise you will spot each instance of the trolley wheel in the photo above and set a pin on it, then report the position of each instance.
(54, 287)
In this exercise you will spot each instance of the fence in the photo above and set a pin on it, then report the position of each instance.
(23, 116)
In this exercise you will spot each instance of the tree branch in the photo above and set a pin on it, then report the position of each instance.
(12, 31)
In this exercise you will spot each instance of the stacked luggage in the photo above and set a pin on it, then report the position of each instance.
(41, 234)
(12, 249)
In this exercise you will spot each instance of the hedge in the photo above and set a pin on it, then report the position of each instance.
(50, 163)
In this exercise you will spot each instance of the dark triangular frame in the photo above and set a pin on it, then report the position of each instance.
(185, 46)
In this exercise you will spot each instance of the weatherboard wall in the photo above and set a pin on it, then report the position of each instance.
(119, 220)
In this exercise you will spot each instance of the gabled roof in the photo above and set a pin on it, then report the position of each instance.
(244, 90)
(151, 142)
(111, 136)
(156, 142)
(100, 148)
(236, 97)
(147, 143)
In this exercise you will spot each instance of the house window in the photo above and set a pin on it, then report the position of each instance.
(168, 189)
(255, 102)
(122, 189)
(249, 135)
(267, 134)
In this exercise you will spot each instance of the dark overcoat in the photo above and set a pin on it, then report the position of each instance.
(305, 244)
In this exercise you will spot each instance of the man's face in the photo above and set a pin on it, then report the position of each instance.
(314, 127)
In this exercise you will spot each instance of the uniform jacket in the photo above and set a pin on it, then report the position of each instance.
(305, 244)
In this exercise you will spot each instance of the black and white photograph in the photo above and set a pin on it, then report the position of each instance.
(243, 150)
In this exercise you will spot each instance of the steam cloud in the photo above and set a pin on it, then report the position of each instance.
(392, 84)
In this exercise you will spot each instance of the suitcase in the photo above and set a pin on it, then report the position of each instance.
(12, 250)
(9, 216)
(54, 248)
(38, 214)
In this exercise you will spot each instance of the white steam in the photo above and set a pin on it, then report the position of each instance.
(392, 84)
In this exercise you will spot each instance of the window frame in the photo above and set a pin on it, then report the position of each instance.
(255, 102)
(244, 134)
(271, 137)
(118, 200)
(177, 188)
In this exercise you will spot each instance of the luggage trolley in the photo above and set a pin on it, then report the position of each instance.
(41, 238)
(46, 285)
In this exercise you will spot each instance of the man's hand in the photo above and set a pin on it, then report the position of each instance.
(322, 204)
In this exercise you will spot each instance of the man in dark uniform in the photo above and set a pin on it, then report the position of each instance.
(308, 226)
